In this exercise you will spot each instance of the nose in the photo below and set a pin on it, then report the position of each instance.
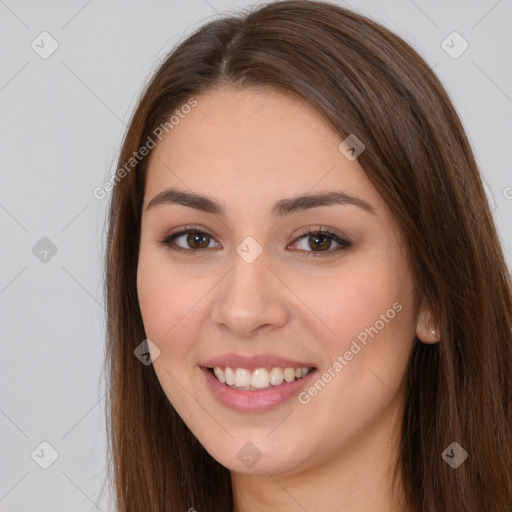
(250, 299)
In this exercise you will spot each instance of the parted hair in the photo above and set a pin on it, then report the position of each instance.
(363, 80)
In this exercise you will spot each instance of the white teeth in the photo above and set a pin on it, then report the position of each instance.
(276, 376)
(229, 375)
(289, 375)
(260, 378)
(219, 374)
(242, 378)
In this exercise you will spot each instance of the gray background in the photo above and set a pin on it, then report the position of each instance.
(62, 121)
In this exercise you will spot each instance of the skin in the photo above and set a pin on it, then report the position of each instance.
(249, 149)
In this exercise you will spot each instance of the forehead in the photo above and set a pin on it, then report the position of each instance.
(253, 145)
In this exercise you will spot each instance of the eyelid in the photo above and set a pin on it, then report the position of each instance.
(341, 239)
(184, 230)
(321, 229)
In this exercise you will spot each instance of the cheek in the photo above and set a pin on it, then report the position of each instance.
(370, 296)
(372, 315)
(168, 303)
(169, 307)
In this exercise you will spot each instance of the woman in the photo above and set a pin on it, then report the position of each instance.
(300, 244)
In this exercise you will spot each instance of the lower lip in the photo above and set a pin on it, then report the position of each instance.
(255, 400)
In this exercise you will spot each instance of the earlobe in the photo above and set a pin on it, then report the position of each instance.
(426, 329)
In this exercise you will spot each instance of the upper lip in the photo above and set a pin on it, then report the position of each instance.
(255, 361)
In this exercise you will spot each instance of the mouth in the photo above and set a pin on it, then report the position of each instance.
(256, 382)
(258, 379)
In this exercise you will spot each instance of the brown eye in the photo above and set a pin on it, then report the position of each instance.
(190, 240)
(320, 242)
(201, 239)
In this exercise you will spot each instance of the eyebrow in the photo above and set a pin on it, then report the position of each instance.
(283, 207)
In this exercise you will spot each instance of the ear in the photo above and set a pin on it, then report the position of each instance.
(426, 329)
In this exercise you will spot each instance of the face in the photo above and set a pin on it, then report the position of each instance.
(260, 288)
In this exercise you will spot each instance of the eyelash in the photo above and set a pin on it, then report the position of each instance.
(343, 244)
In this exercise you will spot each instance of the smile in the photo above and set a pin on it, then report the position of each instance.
(260, 378)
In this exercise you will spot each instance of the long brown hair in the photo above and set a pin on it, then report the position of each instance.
(362, 80)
